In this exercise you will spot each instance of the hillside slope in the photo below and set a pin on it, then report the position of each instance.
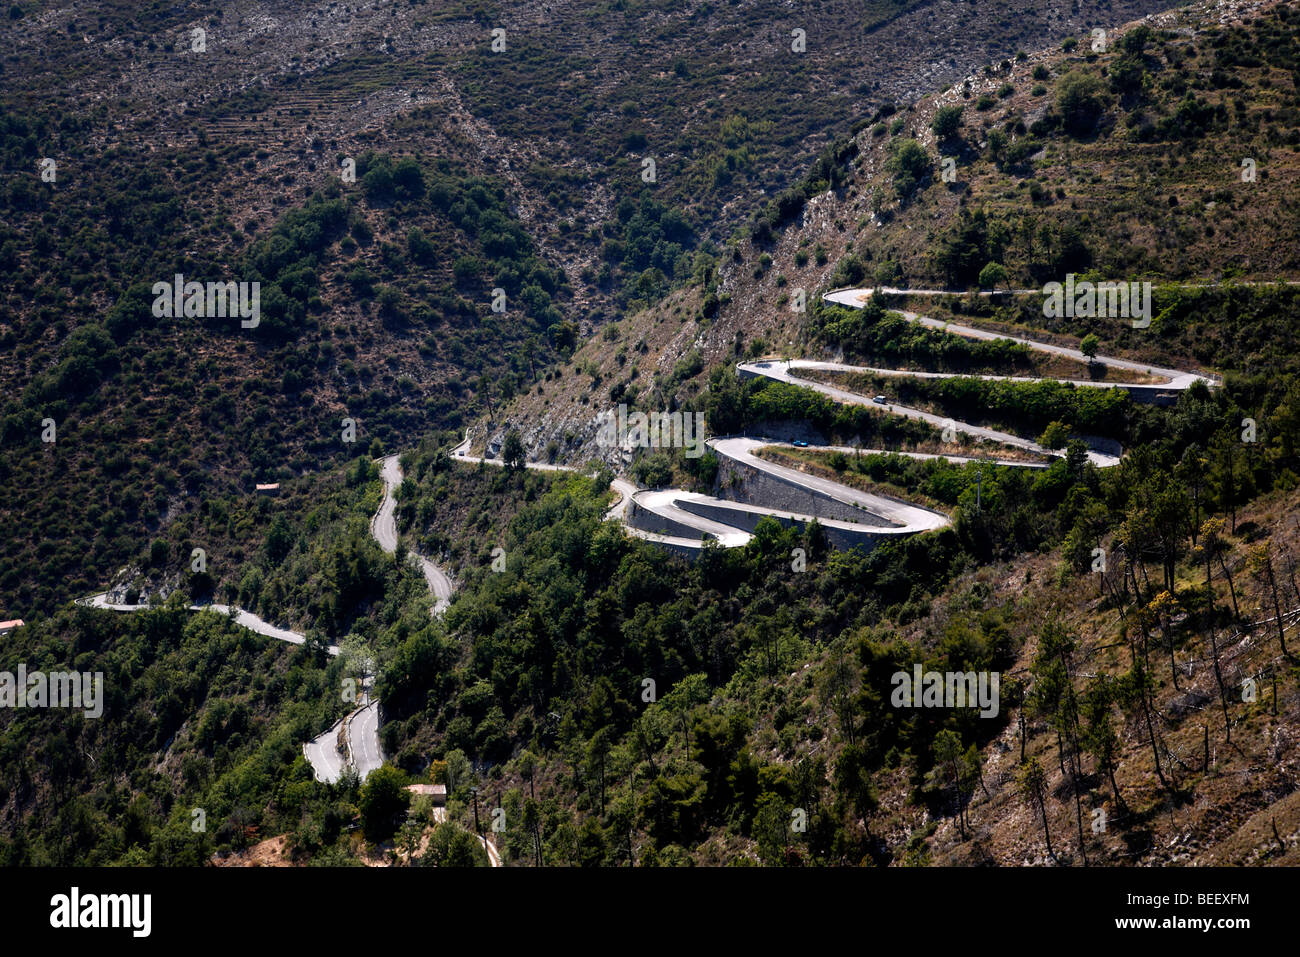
(618, 703)
(1151, 190)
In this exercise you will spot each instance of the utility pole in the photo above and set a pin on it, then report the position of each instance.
(478, 829)
(979, 479)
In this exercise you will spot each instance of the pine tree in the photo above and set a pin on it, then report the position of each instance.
(1032, 783)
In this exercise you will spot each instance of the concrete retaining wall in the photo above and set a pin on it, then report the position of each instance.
(739, 482)
(685, 551)
(865, 538)
(649, 521)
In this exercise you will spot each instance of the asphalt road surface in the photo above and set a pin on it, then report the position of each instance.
(363, 734)
(243, 618)
(384, 528)
(323, 755)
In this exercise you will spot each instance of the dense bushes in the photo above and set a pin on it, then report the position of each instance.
(127, 385)
(733, 405)
(233, 708)
(873, 335)
(558, 645)
(1026, 407)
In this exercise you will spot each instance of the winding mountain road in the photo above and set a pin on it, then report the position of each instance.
(243, 618)
(781, 371)
(384, 528)
(1175, 380)
(362, 725)
(687, 520)
(323, 754)
(363, 736)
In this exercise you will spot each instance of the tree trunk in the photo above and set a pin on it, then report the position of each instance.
(956, 787)
(1169, 643)
(1196, 510)
(1146, 580)
(1232, 489)
(1146, 640)
(1076, 767)
(1223, 693)
(1132, 570)
(1151, 735)
(1277, 606)
(1232, 590)
(1047, 836)
(1214, 653)
(1078, 809)
(1114, 592)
